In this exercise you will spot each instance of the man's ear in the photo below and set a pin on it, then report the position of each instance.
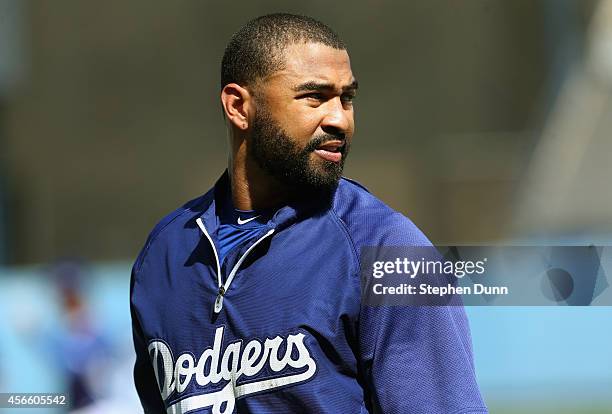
(237, 103)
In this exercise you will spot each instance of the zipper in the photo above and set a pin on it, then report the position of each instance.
(223, 287)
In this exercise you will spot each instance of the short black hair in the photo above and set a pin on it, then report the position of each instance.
(256, 50)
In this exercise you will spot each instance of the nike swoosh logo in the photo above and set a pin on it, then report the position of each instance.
(241, 221)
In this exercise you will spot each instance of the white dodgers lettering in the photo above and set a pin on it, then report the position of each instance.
(236, 361)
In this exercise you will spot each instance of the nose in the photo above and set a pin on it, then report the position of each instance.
(338, 119)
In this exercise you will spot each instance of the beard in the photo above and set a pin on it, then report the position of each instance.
(279, 155)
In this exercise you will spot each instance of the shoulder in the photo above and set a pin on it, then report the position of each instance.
(369, 221)
(167, 226)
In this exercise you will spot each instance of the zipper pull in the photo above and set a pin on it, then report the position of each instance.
(219, 300)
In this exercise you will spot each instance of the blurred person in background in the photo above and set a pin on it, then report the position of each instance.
(247, 299)
(79, 348)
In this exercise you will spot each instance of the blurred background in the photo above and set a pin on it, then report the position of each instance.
(484, 121)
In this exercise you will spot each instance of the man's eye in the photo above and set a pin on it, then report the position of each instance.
(348, 98)
(315, 96)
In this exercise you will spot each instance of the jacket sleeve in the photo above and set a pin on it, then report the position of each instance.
(144, 376)
(418, 359)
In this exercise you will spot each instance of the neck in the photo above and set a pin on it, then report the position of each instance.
(252, 188)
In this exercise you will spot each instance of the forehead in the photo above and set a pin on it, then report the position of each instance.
(314, 61)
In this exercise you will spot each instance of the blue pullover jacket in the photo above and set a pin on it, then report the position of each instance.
(280, 327)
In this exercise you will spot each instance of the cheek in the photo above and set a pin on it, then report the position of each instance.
(301, 123)
(352, 121)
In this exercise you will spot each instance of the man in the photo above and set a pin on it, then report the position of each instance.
(247, 299)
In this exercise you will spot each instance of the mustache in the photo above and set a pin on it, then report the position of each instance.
(322, 139)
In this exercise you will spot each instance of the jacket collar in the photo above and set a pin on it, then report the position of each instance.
(285, 216)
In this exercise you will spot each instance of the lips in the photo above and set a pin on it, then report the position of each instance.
(330, 150)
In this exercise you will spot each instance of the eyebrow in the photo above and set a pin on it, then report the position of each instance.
(321, 86)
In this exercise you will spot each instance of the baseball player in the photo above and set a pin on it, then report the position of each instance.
(247, 299)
